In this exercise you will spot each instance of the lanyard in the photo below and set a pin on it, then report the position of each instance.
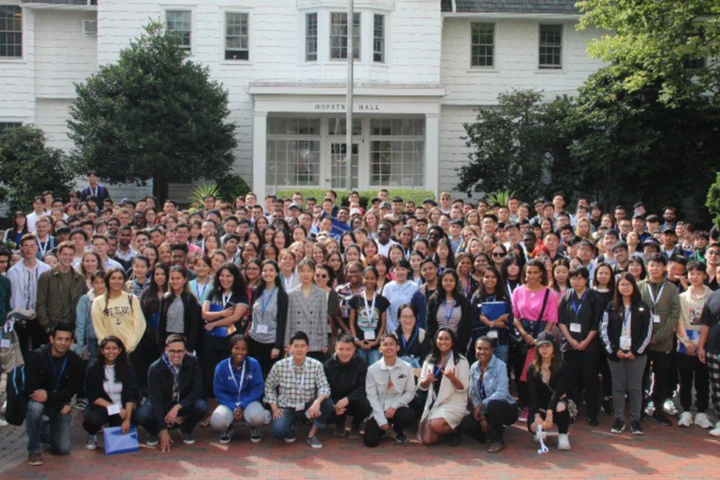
(292, 371)
(576, 308)
(263, 303)
(448, 316)
(95, 193)
(407, 345)
(467, 285)
(137, 288)
(369, 309)
(242, 379)
(439, 368)
(198, 293)
(653, 298)
(509, 289)
(58, 378)
(43, 247)
(288, 281)
(173, 370)
(627, 316)
(226, 299)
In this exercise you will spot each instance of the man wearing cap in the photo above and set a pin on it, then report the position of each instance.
(294, 210)
(638, 226)
(669, 243)
(94, 189)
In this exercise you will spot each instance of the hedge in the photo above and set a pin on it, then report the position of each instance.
(406, 194)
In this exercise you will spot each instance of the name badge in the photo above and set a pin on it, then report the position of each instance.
(492, 334)
(656, 318)
(575, 328)
(5, 343)
(261, 329)
(625, 344)
(369, 335)
(113, 409)
(300, 407)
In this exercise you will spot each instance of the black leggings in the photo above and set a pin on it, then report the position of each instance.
(693, 371)
(561, 419)
(518, 361)
(262, 352)
(95, 418)
(373, 433)
(499, 414)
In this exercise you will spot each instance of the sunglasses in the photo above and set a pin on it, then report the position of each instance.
(320, 275)
(498, 255)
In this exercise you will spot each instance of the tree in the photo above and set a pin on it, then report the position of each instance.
(28, 167)
(514, 145)
(713, 200)
(154, 114)
(667, 42)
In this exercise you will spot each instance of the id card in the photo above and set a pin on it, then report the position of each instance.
(5, 343)
(300, 407)
(576, 328)
(113, 409)
(655, 318)
(492, 334)
(261, 329)
(369, 335)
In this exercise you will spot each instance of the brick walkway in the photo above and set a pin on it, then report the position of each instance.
(662, 452)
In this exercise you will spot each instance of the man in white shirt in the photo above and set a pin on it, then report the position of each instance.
(38, 211)
(100, 245)
(383, 240)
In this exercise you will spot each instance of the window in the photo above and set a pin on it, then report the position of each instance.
(237, 38)
(6, 127)
(311, 37)
(379, 38)
(482, 44)
(397, 152)
(293, 152)
(694, 64)
(180, 21)
(550, 47)
(339, 35)
(10, 32)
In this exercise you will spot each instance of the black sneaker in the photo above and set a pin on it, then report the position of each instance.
(607, 407)
(454, 440)
(618, 426)
(660, 418)
(35, 459)
(291, 437)
(636, 428)
(401, 438)
(187, 437)
(593, 421)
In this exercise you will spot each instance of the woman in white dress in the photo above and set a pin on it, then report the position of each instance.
(446, 376)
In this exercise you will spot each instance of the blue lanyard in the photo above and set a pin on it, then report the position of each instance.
(58, 378)
(627, 316)
(199, 294)
(438, 369)
(263, 303)
(170, 367)
(576, 308)
(239, 384)
(137, 288)
(448, 316)
(407, 345)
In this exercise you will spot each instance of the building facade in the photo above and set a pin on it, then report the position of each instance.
(422, 69)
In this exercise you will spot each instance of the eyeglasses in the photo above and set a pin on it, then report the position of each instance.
(713, 252)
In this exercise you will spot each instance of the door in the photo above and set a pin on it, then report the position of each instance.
(339, 168)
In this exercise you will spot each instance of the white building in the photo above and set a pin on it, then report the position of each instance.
(423, 67)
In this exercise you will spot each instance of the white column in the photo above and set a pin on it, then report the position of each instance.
(432, 152)
(259, 154)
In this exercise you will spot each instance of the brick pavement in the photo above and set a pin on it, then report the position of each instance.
(663, 452)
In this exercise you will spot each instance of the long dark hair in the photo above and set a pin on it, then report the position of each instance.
(457, 296)
(238, 286)
(556, 362)
(122, 363)
(635, 298)
(543, 271)
(512, 259)
(109, 274)
(434, 356)
(450, 263)
(500, 293)
(270, 261)
(611, 283)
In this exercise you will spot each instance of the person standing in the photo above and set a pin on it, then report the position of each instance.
(59, 290)
(307, 311)
(709, 349)
(94, 189)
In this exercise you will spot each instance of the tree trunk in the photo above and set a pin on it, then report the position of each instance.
(160, 189)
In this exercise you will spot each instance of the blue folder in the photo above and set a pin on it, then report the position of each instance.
(219, 331)
(117, 443)
(493, 310)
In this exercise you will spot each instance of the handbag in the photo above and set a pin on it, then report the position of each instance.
(535, 328)
(10, 354)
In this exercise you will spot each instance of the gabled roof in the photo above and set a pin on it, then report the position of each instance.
(512, 6)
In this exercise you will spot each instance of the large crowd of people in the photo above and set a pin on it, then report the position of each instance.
(448, 319)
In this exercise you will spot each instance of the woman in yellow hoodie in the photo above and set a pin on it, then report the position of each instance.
(118, 313)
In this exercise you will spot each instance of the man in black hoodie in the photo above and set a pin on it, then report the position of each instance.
(346, 372)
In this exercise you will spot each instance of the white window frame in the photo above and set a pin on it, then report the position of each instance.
(351, 31)
(23, 38)
(492, 67)
(182, 8)
(563, 47)
(383, 52)
(306, 37)
(230, 61)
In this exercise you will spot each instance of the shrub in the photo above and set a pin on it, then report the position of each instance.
(406, 194)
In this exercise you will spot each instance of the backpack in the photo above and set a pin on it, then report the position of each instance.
(17, 399)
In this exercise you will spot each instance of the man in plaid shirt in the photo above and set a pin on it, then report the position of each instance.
(297, 386)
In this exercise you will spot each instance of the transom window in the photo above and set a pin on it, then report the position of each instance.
(483, 45)
(10, 32)
(550, 47)
(180, 21)
(339, 35)
(237, 36)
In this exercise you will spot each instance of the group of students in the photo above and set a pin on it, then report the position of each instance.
(313, 313)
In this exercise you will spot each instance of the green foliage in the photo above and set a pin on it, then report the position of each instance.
(28, 167)
(232, 186)
(406, 194)
(652, 42)
(514, 145)
(200, 192)
(154, 114)
(713, 200)
(501, 197)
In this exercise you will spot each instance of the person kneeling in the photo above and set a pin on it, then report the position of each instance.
(238, 386)
(446, 376)
(175, 391)
(111, 390)
(548, 382)
(297, 386)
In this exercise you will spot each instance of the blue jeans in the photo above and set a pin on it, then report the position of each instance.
(60, 426)
(192, 416)
(370, 356)
(282, 426)
(502, 352)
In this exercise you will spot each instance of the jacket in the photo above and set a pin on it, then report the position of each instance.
(191, 324)
(545, 396)
(84, 329)
(308, 315)
(226, 388)
(376, 385)
(94, 388)
(590, 311)
(668, 308)
(346, 379)
(160, 386)
(447, 397)
(640, 329)
(282, 307)
(464, 327)
(49, 307)
(496, 384)
(39, 377)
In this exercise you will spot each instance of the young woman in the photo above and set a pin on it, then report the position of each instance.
(281, 239)
(165, 253)
(535, 310)
(637, 268)
(497, 328)
(252, 276)
(319, 253)
(308, 310)
(299, 234)
(179, 310)
(87, 341)
(324, 278)
(445, 375)
(139, 281)
(429, 272)
(604, 285)
(405, 240)
(238, 385)
(249, 251)
(383, 266)
(269, 250)
(583, 229)
(444, 256)
(626, 331)
(352, 254)
(474, 247)
(288, 276)
(498, 252)
(401, 291)
(560, 272)
(335, 262)
(449, 309)
(110, 385)
(467, 284)
(368, 317)
(548, 385)
(414, 341)
(202, 284)
(90, 264)
(210, 243)
(346, 239)
(217, 259)
(415, 275)
(150, 299)
(18, 229)
(369, 250)
(481, 261)
(634, 244)
(395, 253)
(511, 272)
(370, 223)
(151, 252)
(266, 333)
(150, 216)
(268, 233)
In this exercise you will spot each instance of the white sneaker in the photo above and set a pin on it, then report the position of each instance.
(563, 442)
(669, 407)
(715, 432)
(702, 421)
(686, 419)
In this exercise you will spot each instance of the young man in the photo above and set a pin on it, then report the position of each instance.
(456, 227)
(709, 349)
(125, 252)
(297, 387)
(94, 189)
(59, 290)
(669, 243)
(346, 372)
(175, 390)
(383, 240)
(620, 254)
(664, 301)
(45, 241)
(712, 260)
(54, 375)
(100, 245)
(38, 211)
